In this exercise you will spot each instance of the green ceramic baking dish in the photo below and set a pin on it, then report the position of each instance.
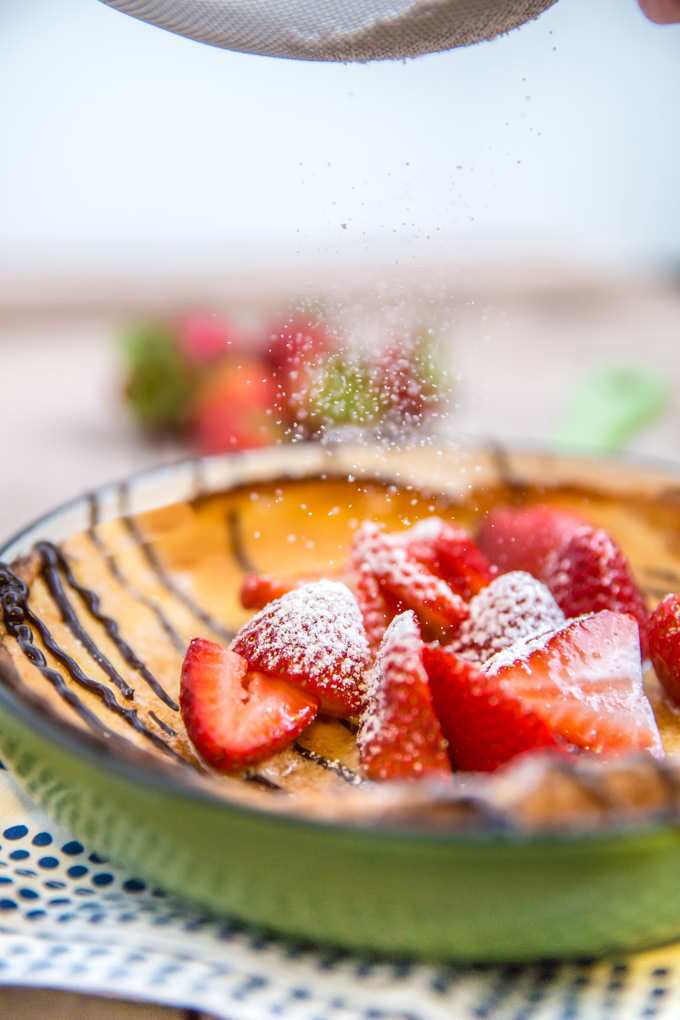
(493, 869)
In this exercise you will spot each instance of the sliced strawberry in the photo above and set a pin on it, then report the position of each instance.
(520, 538)
(589, 572)
(399, 735)
(367, 540)
(376, 611)
(664, 645)
(314, 637)
(585, 681)
(236, 717)
(438, 608)
(513, 606)
(450, 552)
(405, 582)
(485, 723)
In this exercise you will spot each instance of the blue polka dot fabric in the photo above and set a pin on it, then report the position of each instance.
(71, 920)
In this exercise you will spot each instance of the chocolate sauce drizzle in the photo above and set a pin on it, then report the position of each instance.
(331, 764)
(13, 598)
(55, 564)
(235, 532)
(21, 623)
(156, 564)
(257, 779)
(114, 568)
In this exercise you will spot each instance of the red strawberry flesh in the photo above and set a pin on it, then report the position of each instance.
(520, 538)
(585, 680)
(399, 736)
(485, 723)
(450, 552)
(664, 645)
(236, 717)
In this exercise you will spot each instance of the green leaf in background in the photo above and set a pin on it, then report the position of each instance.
(610, 406)
(159, 387)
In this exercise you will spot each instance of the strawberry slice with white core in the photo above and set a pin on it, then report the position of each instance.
(585, 681)
(236, 717)
(485, 723)
(312, 636)
(399, 735)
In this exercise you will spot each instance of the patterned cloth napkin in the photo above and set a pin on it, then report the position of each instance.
(70, 920)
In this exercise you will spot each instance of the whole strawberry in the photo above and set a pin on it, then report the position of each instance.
(294, 349)
(589, 572)
(159, 385)
(664, 645)
(521, 538)
(233, 409)
(337, 391)
(411, 377)
(203, 337)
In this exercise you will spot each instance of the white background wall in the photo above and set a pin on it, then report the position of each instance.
(121, 141)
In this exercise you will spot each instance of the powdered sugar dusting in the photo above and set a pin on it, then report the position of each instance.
(519, 651)
(315, 631)
(512, 607)
(399, 735)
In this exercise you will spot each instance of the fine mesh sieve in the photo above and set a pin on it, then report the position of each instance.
(341, 30)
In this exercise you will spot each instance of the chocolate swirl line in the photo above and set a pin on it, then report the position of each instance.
(237, 544)
(22, 623)
(257, 779)
(168, 582)
(54, 564)
(13, 597)
(331, 764)
(114, 568)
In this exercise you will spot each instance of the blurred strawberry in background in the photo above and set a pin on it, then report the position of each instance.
(202, 338)
(295, 349)
(409, 371)
(207, 380)
(234, 408)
